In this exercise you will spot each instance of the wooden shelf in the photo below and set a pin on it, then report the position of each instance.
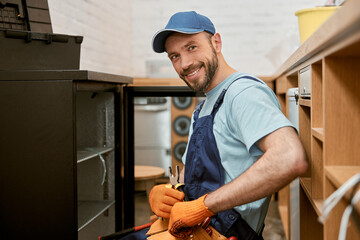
(316, 203)
(338, 175)
(306, 185)
(305, 102)
(318, 133)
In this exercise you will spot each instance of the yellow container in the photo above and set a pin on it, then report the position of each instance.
(311, 18)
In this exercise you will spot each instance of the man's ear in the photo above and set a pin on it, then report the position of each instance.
(216, 41)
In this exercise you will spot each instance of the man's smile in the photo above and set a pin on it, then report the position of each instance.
(193, 73)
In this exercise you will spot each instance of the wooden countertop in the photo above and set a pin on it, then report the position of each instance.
(175, 81)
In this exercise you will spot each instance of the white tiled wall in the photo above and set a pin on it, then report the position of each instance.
(118, 33)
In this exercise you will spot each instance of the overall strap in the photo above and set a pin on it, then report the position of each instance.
(197, 111)
(220, 99)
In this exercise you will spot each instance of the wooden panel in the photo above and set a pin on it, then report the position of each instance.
(342, 110)
(306, 186)
(284, 197)
(305, 134)
(282, 100)
(338, 175)
(284, 215)
(318, 133)
(316, 96)
(305, 102)
(292, 81)
(317, 171)
(281, 85)
(331, 228)
(310, 228)
(352, 50)
(332, 225)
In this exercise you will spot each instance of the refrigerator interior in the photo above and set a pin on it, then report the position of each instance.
(152, 122)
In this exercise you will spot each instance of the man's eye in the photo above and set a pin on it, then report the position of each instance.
(173, 57)
(192, 48)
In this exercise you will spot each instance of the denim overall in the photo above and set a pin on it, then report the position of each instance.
(204, 172)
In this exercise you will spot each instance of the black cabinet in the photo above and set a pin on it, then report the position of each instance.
(61, 155)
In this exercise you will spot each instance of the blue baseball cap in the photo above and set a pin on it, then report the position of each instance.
(182, 22)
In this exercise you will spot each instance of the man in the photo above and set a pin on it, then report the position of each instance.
(241, 147)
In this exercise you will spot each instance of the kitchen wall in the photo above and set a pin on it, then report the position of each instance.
(249, 29)
(257, 35)
(107, 30)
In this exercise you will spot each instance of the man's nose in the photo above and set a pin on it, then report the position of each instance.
(186, 61)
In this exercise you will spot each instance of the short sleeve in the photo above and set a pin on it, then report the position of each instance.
(254, 113)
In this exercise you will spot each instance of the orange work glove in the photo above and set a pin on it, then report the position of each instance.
(162, 198)
(185, 215)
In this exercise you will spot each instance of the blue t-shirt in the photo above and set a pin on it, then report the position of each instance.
(249, 112)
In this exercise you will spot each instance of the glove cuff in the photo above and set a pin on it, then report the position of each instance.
(197, 211)
(208, 212)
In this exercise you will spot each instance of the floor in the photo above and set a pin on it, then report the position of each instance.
(273, 226)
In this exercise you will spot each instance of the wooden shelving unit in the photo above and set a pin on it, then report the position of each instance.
(329, 121)
(338, 175)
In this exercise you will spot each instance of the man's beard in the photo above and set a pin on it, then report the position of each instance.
(211, 68)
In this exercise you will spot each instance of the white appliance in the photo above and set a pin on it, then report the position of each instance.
(294, 204)
(152, 122)
(305, 82)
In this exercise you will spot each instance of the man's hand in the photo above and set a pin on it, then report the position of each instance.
(185, 215)
(162, 198)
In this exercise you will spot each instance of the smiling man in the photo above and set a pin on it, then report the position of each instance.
(241, 147)
(183, 54)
